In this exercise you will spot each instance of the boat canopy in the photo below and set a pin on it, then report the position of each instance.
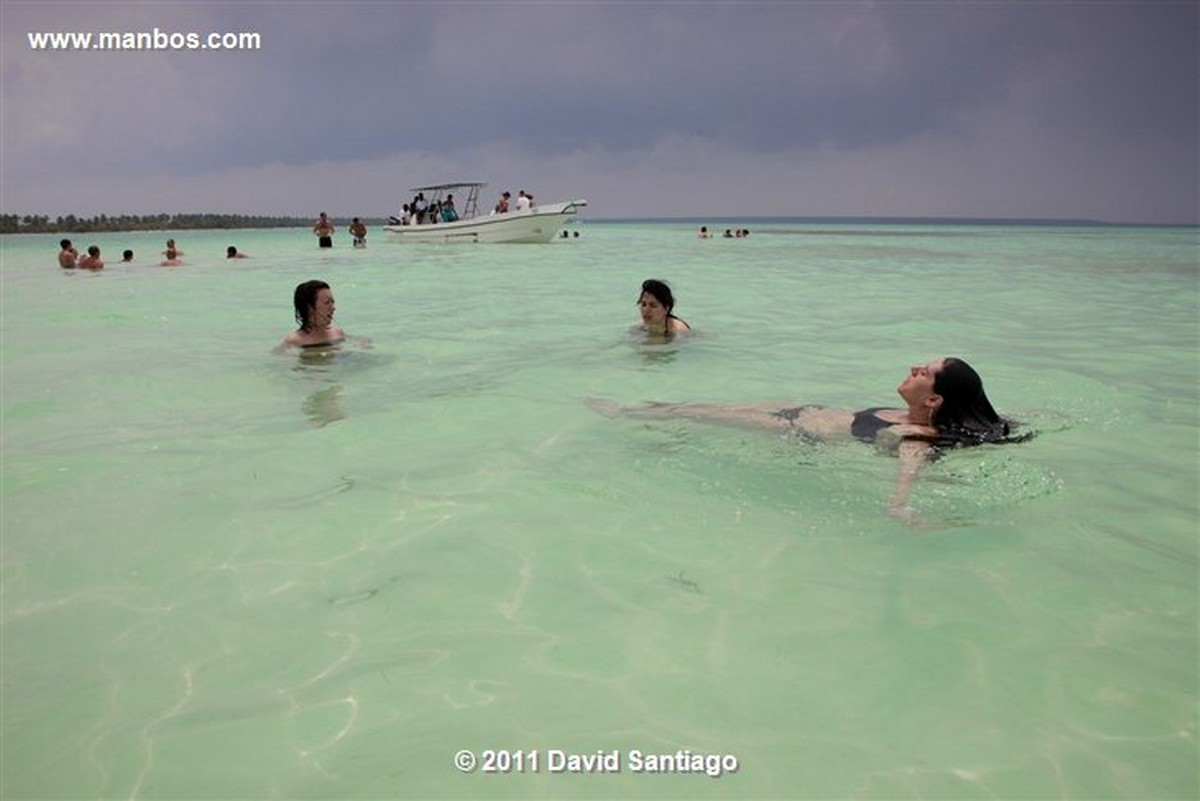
(436, 192)
(443, 187)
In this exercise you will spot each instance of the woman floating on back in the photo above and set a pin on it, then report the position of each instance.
(945, 406)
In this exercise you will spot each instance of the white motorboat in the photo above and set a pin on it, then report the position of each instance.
(540, 223)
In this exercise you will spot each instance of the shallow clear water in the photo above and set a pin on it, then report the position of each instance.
(234, 574)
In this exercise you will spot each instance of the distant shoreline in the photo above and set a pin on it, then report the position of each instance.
(125, 223)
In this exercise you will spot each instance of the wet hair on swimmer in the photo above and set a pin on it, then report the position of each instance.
(305, 300)
(660, 292)
(966, 416)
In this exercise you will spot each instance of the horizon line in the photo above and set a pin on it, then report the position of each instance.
(694, 219)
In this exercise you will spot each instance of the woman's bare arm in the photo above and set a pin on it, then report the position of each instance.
(912, 453)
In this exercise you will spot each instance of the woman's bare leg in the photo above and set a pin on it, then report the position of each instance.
(743, 416)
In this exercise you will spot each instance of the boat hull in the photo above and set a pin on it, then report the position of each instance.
(537, 226)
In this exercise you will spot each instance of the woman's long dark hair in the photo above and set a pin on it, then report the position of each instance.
(966, 416)
(305, 300)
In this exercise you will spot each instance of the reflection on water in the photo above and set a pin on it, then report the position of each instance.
(325, 406)
(316, 364)
(323, 365)
(658, 354)
(655, 347)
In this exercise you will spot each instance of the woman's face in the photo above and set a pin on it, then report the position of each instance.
(917, 386)
(653, 312)
(322, 311)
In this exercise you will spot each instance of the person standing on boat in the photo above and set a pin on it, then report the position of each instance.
(502, 204)
(522, 201)
(323, 229)
(448, 212)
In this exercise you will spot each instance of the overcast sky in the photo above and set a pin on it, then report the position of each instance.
(1081, 110)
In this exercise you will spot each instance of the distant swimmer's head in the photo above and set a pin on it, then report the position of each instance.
(314, 305)
(94, 250)
(127, 256)
(655, 302)
(65, 244)
(231, 252)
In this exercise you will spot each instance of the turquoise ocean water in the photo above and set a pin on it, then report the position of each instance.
(228, 573)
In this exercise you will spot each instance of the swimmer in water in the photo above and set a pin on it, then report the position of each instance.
(945, 406)
(323, 229)
(313, 301)
(68, 256)
(656, 304)
(359, 231)
(92, 260)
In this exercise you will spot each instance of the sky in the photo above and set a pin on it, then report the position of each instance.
(1057, 110)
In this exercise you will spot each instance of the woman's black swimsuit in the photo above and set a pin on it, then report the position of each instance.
(865, 426)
